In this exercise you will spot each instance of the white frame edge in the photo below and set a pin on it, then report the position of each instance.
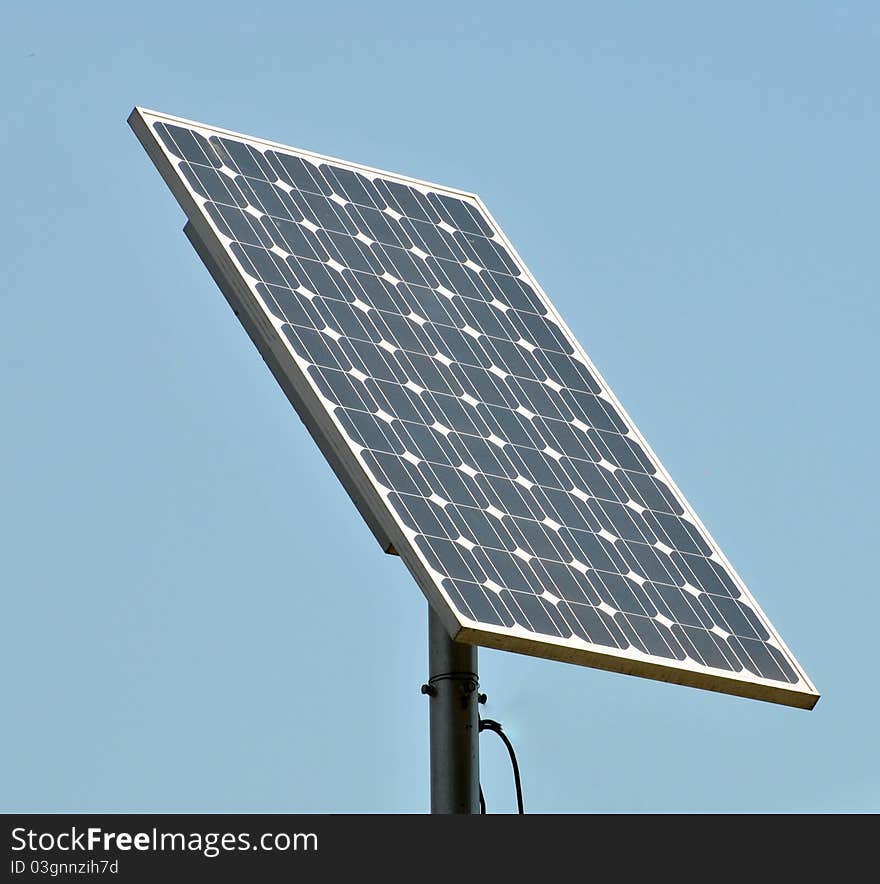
(347, 464)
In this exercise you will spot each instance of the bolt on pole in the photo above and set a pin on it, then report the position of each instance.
(453, 693)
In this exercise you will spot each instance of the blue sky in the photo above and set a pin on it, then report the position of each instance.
(195, 617)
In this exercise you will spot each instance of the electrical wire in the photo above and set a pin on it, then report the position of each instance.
(488, 724)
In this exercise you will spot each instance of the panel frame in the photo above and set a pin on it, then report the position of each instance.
(368, 498)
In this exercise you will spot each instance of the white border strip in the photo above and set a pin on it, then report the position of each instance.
(631, 661)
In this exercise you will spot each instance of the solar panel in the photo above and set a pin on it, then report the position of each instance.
(469, 427)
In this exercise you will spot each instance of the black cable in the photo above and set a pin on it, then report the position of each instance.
(488, 724)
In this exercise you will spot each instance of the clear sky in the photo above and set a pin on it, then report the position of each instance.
(195, 617)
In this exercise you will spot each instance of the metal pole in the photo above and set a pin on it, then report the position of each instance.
(455, 730)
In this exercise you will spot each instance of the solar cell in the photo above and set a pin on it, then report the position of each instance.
(467, 423)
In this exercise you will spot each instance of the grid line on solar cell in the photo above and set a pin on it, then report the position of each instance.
(506, 463)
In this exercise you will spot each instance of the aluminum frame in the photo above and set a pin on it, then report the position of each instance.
(369, 498)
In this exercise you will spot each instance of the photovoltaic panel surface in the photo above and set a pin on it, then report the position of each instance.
(468, 425)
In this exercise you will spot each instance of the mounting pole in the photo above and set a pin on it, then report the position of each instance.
(455, 730)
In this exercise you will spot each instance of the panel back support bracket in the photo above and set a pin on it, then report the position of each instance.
(245, 317)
